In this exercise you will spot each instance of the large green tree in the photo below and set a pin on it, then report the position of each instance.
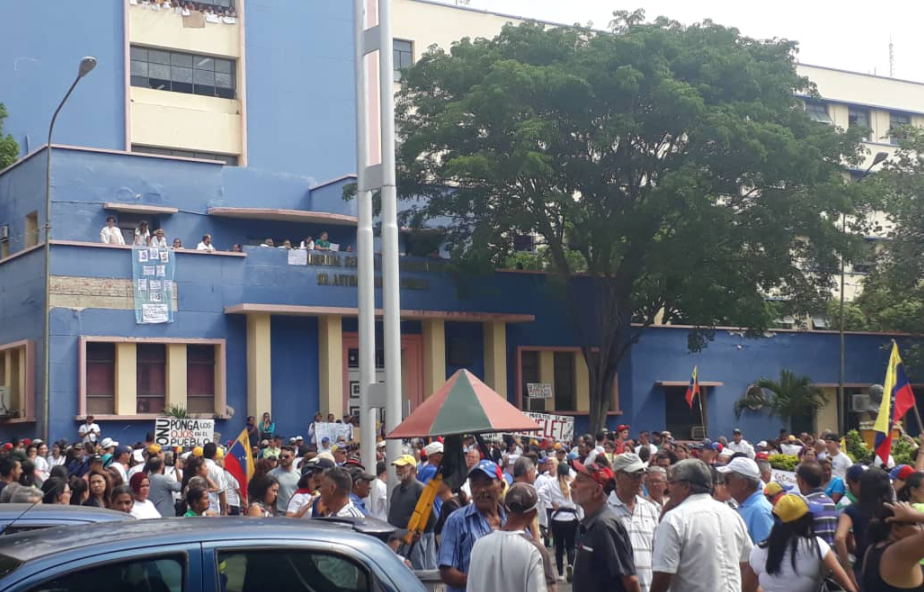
(671, 163)
(9, 149)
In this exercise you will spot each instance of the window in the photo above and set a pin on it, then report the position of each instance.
(897, 120)
(32, 231)
(529, 373)
(200, 378)
(857, 117)
(290, 570)
(225, 158)
(524, 242)
(403, 56)
(183, 72)
(563, 388)
(163, 574)
(152, 377)
(101, 378)
(818, 112)
(866, 259)
(678, 417)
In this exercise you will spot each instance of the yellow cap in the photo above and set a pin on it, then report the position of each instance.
(334, 448)
(197, 451)
(219, 453)
(154, 449)
(405, 460)
(773, 488)
(791, 507)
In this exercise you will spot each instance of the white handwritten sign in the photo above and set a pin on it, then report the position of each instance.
(783, 477)
(188, 433)
(559, 428)
(539, 390)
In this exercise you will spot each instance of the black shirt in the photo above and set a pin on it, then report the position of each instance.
(403, 501)
(604, 554)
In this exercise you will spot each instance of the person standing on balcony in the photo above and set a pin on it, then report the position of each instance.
(111, 234)
(142, 234)
(323, 243)
(206, 244)
(158, 240)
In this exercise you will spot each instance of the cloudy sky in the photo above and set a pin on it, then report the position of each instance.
(847, 34)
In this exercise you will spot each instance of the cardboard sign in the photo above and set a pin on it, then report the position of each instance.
(559, 428)
(539, 390)
(188, 433)
(783, 477)
(335, 431)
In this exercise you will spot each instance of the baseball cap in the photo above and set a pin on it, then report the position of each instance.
(405, 460)
(622, 426)
(154, 449)
(264, 443)
(791, 438)
(773, 488)
(197, 451)
(762, 444)
(761, 456)
(433, 448)
(318, 464)
(628, 462)
(108, 443)
(297, 438)
(360, 476)
(521, 498)
(832, 438)
(600, 473)
(325, 439)
(742, 466)
(736, 431)
(219, 453)
(489, 468)
(328, 456)
(7, 446)
(120, 450)
(791, 507)
(292, 440)
(354, 461)
(38, 441)
(96, 458)
(138, 455)
(855, 471)
(901, 472)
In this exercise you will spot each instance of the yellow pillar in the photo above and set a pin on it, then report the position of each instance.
(259, 365)
(547, 375)
(330, 364)
(581, 382)
(176, 375)
(126, 379)
(434, 355)
(495, 356)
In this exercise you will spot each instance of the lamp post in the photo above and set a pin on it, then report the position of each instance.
(841, 400)
(86, 66)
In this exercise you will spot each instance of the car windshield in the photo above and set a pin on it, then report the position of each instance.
(8, 565)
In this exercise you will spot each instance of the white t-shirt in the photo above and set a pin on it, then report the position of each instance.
(378, 500)
(702, 542)
(158, 242)
(89, 433)
(350, 511)
(144, 510)
(298, 501)
(743, 447)
(840, 464)
(111, 236)
(121, 469)
(42, 468)
(505, 560)
(790, 449)
(217, 475)
(232, 483)
(205, 247)
(808, 568)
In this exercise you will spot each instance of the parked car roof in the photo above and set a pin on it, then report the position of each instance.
(45, 516)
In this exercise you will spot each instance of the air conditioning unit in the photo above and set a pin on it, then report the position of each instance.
(5, 232)
(6, 405)
(859, 403)
(697, 433)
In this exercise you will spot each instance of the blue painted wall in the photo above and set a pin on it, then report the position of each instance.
(41, 44)
(22, 191)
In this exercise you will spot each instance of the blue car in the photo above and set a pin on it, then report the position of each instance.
(202, 554)
(25, 517)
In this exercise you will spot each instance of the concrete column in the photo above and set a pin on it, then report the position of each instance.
(259, 365)
(14, 377)
(547, 375)
(495, 356)
(581, 382)
(176, 375)
(126, 379)
(434, 355)
(330, 364)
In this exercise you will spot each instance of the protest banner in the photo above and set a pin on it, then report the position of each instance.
(783, 477)
(559, 428)
(188, 433)
(335, 431)
(539, 390)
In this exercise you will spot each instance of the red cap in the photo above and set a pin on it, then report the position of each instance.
(596, 471)
(904, 472)
(762, 456)
(7, 446)
(26, 441)
(622, 427)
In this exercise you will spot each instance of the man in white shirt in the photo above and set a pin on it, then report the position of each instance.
(336, 484)
(218, 499)
(598, 449)
(701, 545)
(378, 497)
(111, 234)
(120, 461)
(791, 446)
(89, 431)
(638, 516)
(159, 240)
(206, 244)
(644, 439)
(840, 462)
(739, 444)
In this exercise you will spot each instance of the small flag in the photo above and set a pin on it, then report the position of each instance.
(897, 399)
(693, 389)
(239, 461)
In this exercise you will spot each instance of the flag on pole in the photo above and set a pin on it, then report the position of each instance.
(239, 461)
(693, 389)
(897, 399)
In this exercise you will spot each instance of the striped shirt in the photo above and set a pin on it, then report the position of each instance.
(826, 519)
(641, 525)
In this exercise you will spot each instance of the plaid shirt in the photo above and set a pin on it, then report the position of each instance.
(826, 519)
(462, 529)
(641, 525)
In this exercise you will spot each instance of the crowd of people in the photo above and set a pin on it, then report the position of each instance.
(604, 512)
(213, 14)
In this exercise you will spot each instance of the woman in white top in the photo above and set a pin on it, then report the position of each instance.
(111, 234)
(142, 507)
(142, 234)
(56, 457)
(158, 240)
(35, 454)
(793, 559)
(566, 515)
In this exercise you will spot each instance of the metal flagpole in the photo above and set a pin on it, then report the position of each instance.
(391, 296)
(364, 247)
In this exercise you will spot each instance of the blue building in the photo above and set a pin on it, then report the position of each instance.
(241, 126)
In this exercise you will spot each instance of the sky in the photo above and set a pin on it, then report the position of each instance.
(846, 34)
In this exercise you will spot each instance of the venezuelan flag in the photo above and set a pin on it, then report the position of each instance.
(897, 399)
(239, 461)
(693, 389)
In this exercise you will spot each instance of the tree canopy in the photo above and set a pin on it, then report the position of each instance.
(9, 148)
(673, 164)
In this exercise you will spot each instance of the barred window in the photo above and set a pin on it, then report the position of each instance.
(183, 72)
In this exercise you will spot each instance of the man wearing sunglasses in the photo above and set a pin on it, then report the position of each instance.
(288, 478)
(638, 516)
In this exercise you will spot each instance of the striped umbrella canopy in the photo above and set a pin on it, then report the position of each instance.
(463, 405)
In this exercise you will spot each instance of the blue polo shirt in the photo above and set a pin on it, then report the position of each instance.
(462, 529)
(757, 513)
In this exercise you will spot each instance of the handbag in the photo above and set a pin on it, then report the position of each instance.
(825, 582)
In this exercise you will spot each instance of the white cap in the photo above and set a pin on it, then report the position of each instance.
(380, 444)
(433, 448)
(628, 462)
(742, 466)
(108, 443)
(138, 455)
(727, 452)
(762, 444)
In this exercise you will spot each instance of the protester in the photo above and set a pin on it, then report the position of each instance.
(197, 500)
(111, 234)
(509, 559)
(261, 495)
(840, 462)
(142, 507)
(79, 491)
(896, 549)
(564, 518)
(56, 491)
(287, 478)
(336, 484)
(875, 492)
(99, 490)
(739, 444)
(742, 478)
(404, 499)
(267, 427)
(691, 531)
(123, 499)
(162, 488)
(636, 514)
(89, 431)
(218, 496)
(656, 486)
(793, 558)
(378, 497)
(809, 475)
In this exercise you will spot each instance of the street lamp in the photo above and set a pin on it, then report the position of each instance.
(841, 401)
(86, 66)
